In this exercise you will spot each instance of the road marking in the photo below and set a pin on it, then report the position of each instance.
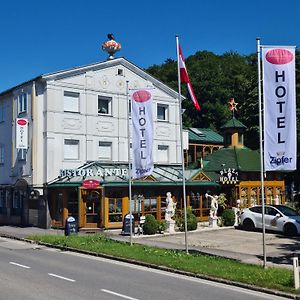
(117, 294)
(61, 277)
(19, 265)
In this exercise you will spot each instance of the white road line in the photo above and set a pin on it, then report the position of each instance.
(19, 265)
(61, 277)
(117, 294)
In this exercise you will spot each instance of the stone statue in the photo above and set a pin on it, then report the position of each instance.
(170, 209)
(213, 206)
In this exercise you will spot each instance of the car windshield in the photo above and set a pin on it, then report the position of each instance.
(287, 211)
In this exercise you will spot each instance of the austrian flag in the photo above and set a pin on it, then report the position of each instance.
(184, 78)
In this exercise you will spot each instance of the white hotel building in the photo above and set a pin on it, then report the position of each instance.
(78, 119)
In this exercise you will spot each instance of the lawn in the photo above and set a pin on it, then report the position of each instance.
(280, 279)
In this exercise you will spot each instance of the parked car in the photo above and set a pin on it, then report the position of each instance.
(277, 218)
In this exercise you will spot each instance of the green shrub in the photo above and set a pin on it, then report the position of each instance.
(191, 220)
(150, 225)
(162, 226)
(228, 217)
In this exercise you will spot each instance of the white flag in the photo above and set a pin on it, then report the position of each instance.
(279, 108)
(142, 133)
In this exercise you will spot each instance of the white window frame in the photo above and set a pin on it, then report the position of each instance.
(108, 106)
(163, 153)
(71, 149)
(165, 117)
(2, 154)
(71, 102)
(105, 147)
(22, 103)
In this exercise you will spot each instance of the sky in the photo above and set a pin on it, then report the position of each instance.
(40, 37)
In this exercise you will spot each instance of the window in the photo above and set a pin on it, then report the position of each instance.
(120, 72)
(162, 112)
(2, 199)
(241, 138)
(71, 149)
(105, 150)
(22, 103)
(115, 209)
(162, 153)
(104, 105)
(71, 102)
(2, 113)
(227, 138)
(1, 154)
(22, 154)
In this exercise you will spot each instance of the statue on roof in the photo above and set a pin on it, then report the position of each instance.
(111, 46)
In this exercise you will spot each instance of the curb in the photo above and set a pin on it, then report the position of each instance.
(158, 267)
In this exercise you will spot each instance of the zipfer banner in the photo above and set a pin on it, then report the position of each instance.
(279, 98)
(142, 133)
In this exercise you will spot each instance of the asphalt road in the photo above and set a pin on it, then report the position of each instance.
(33, 272)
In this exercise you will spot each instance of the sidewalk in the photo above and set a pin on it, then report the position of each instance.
(223, 241)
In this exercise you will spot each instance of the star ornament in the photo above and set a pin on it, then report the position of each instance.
(232, 104)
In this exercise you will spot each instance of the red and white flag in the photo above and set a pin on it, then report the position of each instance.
(184, 77)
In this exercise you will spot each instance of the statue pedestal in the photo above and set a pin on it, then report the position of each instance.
(170, 226)
(212, 222)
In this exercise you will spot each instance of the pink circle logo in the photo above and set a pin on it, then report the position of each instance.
(141, 96)
(22, 122)
(279, 56)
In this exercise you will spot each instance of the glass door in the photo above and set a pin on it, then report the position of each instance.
(91, 208)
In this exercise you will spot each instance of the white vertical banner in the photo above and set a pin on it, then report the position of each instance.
(21, 133)
(142, 133)
(279, 98)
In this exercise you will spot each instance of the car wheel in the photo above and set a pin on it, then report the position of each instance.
(290, 229)
(248, 225)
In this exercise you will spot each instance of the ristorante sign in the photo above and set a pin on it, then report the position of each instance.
(89, 172)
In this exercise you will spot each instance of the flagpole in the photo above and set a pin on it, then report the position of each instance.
(258, 47)
(182, 151)
(129, 162)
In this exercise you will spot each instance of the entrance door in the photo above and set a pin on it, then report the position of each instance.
(91, 208)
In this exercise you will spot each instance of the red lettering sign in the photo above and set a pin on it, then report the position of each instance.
(90, 184)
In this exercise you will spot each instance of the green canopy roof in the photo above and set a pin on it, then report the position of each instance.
(241, 159)
(204, 135)
(234, 123)
(114, 175)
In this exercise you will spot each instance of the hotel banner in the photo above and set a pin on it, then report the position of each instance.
(21, 133)
(142, 133)
(279, 97)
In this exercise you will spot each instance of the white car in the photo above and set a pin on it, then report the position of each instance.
(277, 218)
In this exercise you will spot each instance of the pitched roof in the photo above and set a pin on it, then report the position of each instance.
(234, 123)
(242, 159)
(99, 66)
(204, 135)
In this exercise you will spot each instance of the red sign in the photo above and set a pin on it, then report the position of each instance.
(22, 122)
(90, 184)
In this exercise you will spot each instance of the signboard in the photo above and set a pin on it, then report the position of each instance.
(229, 176)
(142, 133)
(280, 138)
(90, 184)
(89, 172)
(21, 133)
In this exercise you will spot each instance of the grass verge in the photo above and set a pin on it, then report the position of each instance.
(280, 279)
